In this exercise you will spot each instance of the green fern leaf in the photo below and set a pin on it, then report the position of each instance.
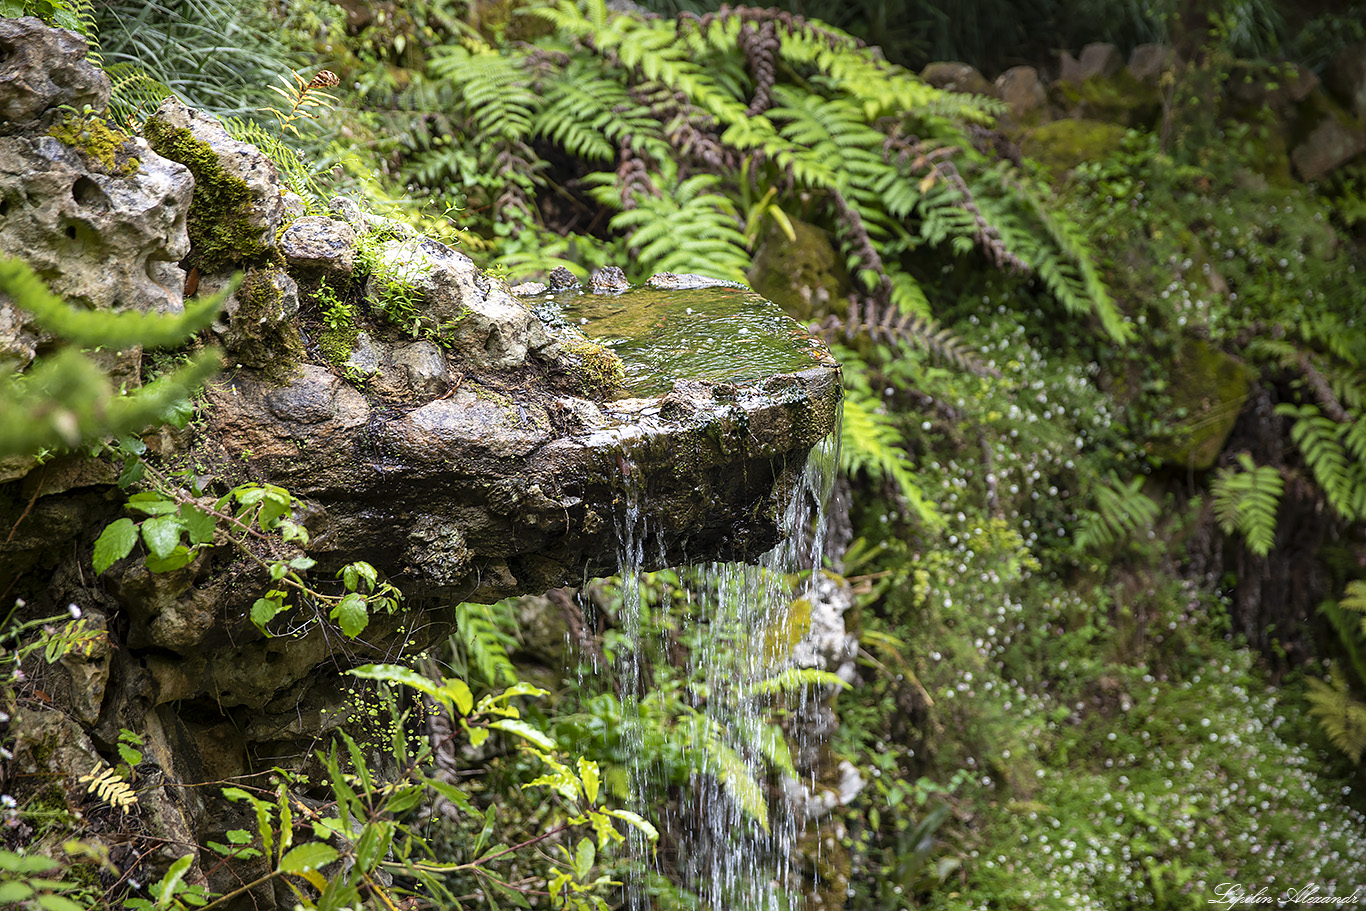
(1121, 510)
(1246, 502)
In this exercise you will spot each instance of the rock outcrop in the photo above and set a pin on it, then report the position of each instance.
(431, 422)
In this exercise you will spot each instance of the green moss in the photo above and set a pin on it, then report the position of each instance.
(268, 345)
(1208, 389)
(109, 149)
(337, 343)
(600, 368)
(222, 231)
(1064, 144)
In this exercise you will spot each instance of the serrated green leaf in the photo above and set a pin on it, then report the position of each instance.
(132, 472)
(114, 543)
(265, 609)
(351, 615)
(178, 557)
(162, 534)
(151, 503)
(199, 524)
(311, 856)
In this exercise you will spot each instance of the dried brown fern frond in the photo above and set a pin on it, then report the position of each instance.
(304, 96)
(887, 324)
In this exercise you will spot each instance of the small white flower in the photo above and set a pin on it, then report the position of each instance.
(74, 611)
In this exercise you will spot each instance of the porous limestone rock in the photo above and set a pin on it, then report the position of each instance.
(254, 324)
(96, 214)
(43, 69)
(483, 325)
(238, 204)
(320, 245)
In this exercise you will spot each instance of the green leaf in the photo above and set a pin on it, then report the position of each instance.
(166, 890)
(52, 902)
(453, 794)
(265, 609)
(14, 891)
(525, 731)
(114, 543)
(199, 524)
(459, 693)
(373, 844)
(132, 472)
(311, 856)
(178, 557)
(588, 774)
(151, 503)
(351, 615)
(635, 820)
(584, 856)
(26, 863)
(162, 534)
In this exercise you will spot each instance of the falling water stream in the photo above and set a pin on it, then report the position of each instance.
(736, 849)
(731, 625)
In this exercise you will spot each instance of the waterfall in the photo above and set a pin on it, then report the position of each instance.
(732, 845)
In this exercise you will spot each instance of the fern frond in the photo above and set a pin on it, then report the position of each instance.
(1355, 600)
(689, 227)
(1121, 510)
(1340, 714)
(111, 788)
(493, 88)
(1068, 269)
(1246, 502)
(1319, 441)
(893, 326)
(485, 641)
(870, 442)
(134, 95)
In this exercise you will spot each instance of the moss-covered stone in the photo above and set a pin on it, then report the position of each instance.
(263, 336)
(802, 275)
(222, 231)
(600, 369)
(1208, 389)
(108, 149)
(1062, 145)
(1118, 99)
